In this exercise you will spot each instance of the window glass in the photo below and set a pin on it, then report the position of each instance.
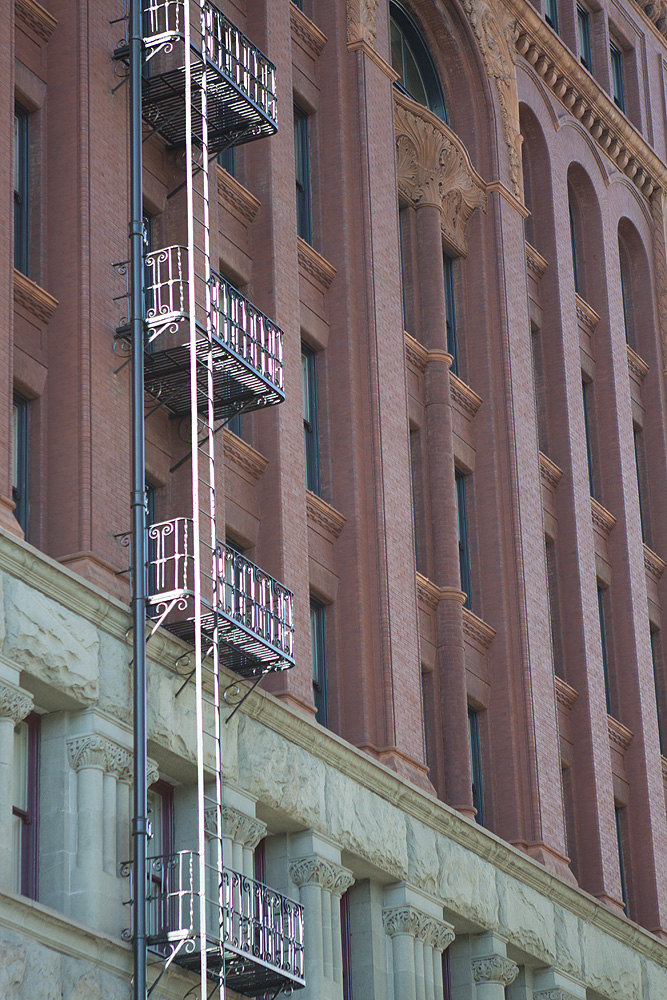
(411, 59)
(551, 13)
(476, 764)
(310, 429)
(304, 221)
(584, 27)
(464, 546)
(20, 428)
(21, 190)
(617, 75)
(319, 660)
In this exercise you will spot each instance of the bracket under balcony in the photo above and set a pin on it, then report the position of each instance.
(239, 344)
(254, 935)
(250, 614)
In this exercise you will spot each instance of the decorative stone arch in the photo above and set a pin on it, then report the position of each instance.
(434, 168)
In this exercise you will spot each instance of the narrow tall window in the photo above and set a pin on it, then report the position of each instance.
(415, 470)
(626, 294)
(151, 544)
(476, 764)
(450, 312)
(464, 543)
(605, 651)
(584, 28)
(619, 813)
(227, 160)
(21, 190)
(304, 216)
(554, 610)
(616, 56)
(446, 976)
(20, 456)
(658, 688)
(586, 396)
(573, 245)
(310, 429)
(401, 218)
(161, 905)
(25, 806)
(640, 468)
(551, 14)
(318, 651)
(539, 388)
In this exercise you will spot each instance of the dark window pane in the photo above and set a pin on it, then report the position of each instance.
(583, 22)
(310, 429)
(586, 393)
(25, 806)
(20, 461)
(21, 190)
(476, 764)
(412, 61)
(551, 13)
(617, 75)
(605, 652)
(619, 813)
(573, 245)
(304, 222)
(227, 159)
(464, 545)
(450, 312)
(319, 660)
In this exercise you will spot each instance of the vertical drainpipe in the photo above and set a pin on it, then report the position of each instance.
(137, 306)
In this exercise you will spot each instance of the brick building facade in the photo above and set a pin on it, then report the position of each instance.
(460, 226)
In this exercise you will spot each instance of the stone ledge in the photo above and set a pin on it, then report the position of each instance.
(306, 30)
(323, 514)
(313, 263)
(636, 365)
(535, 261)
(243, 455)
(35, 17)
(33, 297)
(236, 196)
(462, 394)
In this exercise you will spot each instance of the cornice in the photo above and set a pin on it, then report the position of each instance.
(306, 30)
(236, 196)
(551, 474)
(601, 517)
(655, 13)
(565, 695)
(323, 514)
(430, 594)
(619, 734)
(535, 261)
(636, 365)
(653, 564)
(582, 96)
(434, 168)
(586, 314)
(463, 395)
(416, 353)
(32, 297)
(241, 454)
(314, 263)
(35, 17)
(477, 629)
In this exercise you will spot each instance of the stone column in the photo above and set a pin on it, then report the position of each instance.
(94, 879)
(241, 835)
(417, 943)
(14, 706)
(492, 973)
(321, 884)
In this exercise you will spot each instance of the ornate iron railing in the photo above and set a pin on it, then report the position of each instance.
(260, 930)
(241, 92)
(255, 613)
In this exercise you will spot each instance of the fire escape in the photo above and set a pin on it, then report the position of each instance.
(209, 354)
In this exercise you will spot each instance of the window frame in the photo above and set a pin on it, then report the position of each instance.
(551, 14)
(463, 535)
(318, 646)
(26, 867)
(586, 403)
(584, 37)
(21, 461)
(476, 764)
(311, 434)
(21, 189)
(617, 75)
(304, 198)
(411, 36)
(450, 310)
(604, 626)
(620, 816)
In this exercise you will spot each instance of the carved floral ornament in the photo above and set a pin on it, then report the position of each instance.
(494, 969)
(325, 874)
(408, 920)
(14, 703)
(362, 20)
(434, 168)
(97, 751)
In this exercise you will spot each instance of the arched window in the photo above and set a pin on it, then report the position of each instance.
(410, 58)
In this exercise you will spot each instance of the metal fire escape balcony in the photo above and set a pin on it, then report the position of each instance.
(240, 80)
(253, 934)
(246, 347)
(254, 616)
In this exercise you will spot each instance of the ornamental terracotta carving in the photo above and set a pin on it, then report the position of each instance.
(361, 21)
(434, 168)
(495, 31)
(14, 704)
(494, 969)
(317, 871)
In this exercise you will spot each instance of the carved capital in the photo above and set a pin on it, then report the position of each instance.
(436, 933)
(14, 703)
(434, 168)
(241, 828)
(362, 21)
(494, 969)
(402, 920)
(97, 751)
(556, 993)
(317, 871)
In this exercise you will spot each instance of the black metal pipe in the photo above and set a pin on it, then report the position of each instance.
(137, 308)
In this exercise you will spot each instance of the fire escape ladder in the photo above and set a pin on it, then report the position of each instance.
(209, 353)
